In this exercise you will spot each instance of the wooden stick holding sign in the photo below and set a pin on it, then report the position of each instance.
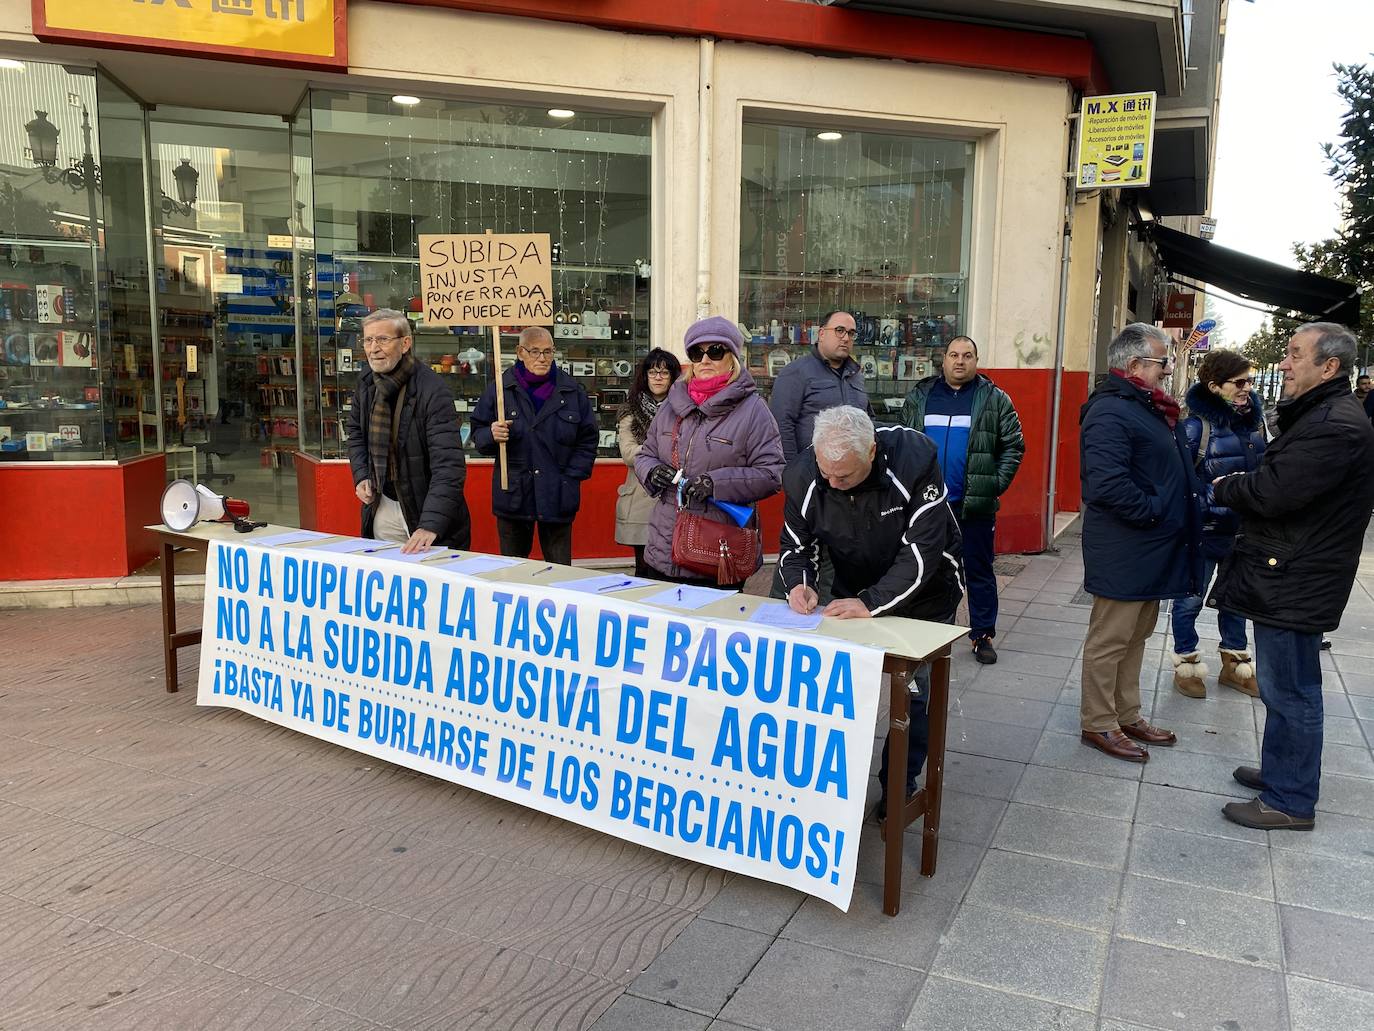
(500, 400)
(496, 279)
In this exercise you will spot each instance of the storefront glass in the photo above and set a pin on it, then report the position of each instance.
(226, 289)
(50, 282)
(387, 170)
(127, 353)
(873, 223)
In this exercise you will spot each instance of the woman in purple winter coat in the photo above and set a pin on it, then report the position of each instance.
(727, 443)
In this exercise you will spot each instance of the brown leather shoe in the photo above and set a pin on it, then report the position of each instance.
(1116, 744)
(1151, 735)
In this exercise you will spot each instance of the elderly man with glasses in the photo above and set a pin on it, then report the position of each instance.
(823, 378)
(551, 435)
(404, 444)
(1142, 534)
(1303, 515)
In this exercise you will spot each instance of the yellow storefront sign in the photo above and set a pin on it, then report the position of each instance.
(1116, 140)
(299, 32)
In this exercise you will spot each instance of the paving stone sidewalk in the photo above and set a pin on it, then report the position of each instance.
(164, 866)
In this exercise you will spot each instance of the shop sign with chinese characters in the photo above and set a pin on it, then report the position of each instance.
(1116, 140)
(306, 33)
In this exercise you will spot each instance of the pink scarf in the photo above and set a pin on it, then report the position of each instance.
(702, 389)
(1160, 401)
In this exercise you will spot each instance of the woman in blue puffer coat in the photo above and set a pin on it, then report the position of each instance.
(1225, 429)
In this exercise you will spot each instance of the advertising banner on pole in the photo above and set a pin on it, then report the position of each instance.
(1116, 141)
(741, 746)
(1180, 307)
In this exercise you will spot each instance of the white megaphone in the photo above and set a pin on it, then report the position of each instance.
(185, 503)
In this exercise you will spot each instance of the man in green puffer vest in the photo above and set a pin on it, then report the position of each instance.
(978, 436)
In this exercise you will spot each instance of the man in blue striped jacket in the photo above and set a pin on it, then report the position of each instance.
(877, 502)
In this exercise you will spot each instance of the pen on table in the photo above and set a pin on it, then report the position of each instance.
(618, 583)
(679, 594)
(542, 571)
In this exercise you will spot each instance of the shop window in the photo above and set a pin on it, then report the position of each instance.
(50, 280)
(384, 172)
(873, 223)
(128, 358)
(231, 402)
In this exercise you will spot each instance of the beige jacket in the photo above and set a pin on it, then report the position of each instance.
(633, 506)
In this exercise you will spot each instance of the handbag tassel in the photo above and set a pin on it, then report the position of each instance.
(723, 566)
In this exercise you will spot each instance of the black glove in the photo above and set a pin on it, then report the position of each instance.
(698, 489)
(661, 478)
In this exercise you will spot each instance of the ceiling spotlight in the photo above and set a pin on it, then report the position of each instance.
(561, 112)
(830, 137)
(10, 64)
(405, 100)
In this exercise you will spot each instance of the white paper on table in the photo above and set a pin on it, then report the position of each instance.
(686, 597)
(780, 614)
(611, 583)
(396, 555)
(354, 545)
(294, 537)
(474, 564)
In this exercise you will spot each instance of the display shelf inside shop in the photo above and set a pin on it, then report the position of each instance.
(50, 392)
(903, 323)
(600, 329)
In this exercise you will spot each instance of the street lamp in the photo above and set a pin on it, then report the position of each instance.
(42, 139)
(84, 176)
(43, 146)
(187, 179)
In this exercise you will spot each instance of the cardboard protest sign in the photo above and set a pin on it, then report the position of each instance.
(737, 745)
(500, 279)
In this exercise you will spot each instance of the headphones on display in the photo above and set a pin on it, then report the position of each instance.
(45, 349)
(17, 349)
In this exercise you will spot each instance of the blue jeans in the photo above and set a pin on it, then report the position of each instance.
(1184, 612)
(1290, 675)
(982, 582)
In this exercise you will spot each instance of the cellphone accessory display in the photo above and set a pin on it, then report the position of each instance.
(44, 349)
(17, 349)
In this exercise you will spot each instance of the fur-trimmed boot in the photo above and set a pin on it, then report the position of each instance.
(1238, 671)
(1188, 673)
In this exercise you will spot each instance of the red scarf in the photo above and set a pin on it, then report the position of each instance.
(1160, 401)
(702, 388)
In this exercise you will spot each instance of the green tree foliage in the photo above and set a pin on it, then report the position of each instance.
(1349, 255)
(1265, 348)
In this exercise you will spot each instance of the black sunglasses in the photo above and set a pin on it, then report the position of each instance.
(713, 351)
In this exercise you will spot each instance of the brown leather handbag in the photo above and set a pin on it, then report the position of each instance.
(707, 547)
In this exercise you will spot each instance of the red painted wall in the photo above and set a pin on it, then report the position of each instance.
(61, 522)
(1021, 519)
(1069, 496)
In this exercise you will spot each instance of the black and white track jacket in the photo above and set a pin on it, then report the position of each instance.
(893, 539)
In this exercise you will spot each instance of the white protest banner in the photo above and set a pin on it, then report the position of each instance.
(499, 279)
(736, 745)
